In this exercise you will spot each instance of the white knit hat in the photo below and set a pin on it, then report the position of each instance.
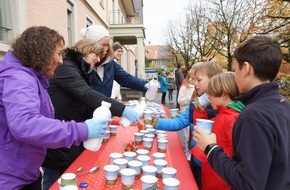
(95, 32)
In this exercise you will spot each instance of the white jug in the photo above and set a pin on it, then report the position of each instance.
(151, 93)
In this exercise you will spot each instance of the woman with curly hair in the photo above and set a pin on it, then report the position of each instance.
(27, 124)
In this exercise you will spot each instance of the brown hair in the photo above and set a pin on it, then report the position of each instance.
(223, 83)
(35, 47)
(87, 45)
(263, 54)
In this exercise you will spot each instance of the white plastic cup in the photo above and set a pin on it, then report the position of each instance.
(135, 165)
(202, 101)
(138, 138)
(121, 162)
(204, 124)
(147, 143)
(68, 179)
(148, 181)
(144, 159)
(170, 183)
(168, 172)
(113, 129)
(174, 112)
(158, 155)
(115, 155)
(148, 116)
(159, 164)
(129, 155)
(127, 177)
(162, 145)
(149, 170)
(111, 174)
(142, 152)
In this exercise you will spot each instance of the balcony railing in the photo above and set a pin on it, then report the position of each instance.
(119, 18)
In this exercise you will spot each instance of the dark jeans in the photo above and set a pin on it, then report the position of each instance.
(196, 171)
(177, 92)
(49, 177)
(33, 186)
(163, 98)
(170, 92)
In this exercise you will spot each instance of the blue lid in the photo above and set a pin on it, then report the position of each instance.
(83, 184)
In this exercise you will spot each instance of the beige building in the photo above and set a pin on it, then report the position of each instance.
(157, 55)
(123, 19)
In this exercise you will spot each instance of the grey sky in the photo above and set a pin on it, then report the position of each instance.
(157, 13)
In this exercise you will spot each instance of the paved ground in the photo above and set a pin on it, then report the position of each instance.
(170, 106)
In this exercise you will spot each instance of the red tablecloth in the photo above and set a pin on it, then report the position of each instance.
(88, 159)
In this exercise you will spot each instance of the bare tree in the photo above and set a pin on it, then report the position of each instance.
(187, 40)
(275, 21)
(231, 22)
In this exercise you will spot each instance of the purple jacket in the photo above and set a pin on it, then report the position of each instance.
(27, 126)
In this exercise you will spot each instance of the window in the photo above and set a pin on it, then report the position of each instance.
(89, 22)
(5, 21)
(69, 23)
(102, 3)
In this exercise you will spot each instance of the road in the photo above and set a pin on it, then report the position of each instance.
(170, 106)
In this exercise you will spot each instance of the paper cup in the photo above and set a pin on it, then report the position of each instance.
(114, 156)
(148, 181)
(113, 129)
(204, 124)
(136, 165)
(170, 183)
(111, 174)
(149, 170)
(127, 177)
(159, 164)
(168, 172)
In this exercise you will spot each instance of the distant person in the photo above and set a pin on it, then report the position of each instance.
(163, 86)
(27, 124)
(108, 69)
(171, 88)
(74, 98)
(178, 79)
(261, 133)
(116, 90)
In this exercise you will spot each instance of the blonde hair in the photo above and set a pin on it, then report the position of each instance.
(206, 68)
(223, 83)
(87, 45)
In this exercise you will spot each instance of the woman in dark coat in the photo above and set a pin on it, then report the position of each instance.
(74, 98)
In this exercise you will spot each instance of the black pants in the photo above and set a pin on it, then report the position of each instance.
(177, 92)
(33, 186)
(196, 171)
(163, 98)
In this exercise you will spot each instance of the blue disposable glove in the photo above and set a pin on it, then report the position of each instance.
(147, 86)
(97, 127)
(131, 114)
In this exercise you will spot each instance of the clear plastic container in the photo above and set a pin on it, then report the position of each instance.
(101, 112)
(151, 93)
(139, 108)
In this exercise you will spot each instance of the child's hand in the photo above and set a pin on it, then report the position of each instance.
(154, 121)
(202, 138)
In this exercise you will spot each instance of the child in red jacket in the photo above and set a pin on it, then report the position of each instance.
(221, 91)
